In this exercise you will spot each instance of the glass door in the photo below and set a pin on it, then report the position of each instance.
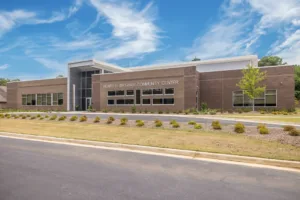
(88, 102)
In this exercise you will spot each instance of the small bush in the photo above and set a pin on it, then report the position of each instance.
(41, 118)
(24, 117)
(160, 112)
(187, 111)
(173, 121)
(294, 132)
(1, 115)
(204, 107)
(38, 115)
(140, 123)
(191, 122)
(28, 115)
(138, 120)
(264, 130)
(216, 125)
(167, 112)
(8, 116)
(97, 119)
(288, 128)
(62, 118)
(124, 121)
(176, 125)
(212, 112)
(105, 111)
(133, 109)
(260, 126)
(146, 111)
(83, 118)
(73, 118)
(111, 118)
(109, 121)
(239, 128)
(33, 117)
(46, 116)
(158, 123)
(197, 126)
(53, 117)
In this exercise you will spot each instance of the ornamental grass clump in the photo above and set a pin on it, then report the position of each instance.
(28, 115)
(38, 115)
(62, 118)
(53, 117)
(288, 128)
(260, 126)
(294, 132)
(239, 128)
(173, 122)
(176, 125)
(1, 115)
(111, 118)
(41, 118)
(83, 118)
(16, 116)
(216, 125)
(24, 117)
(46, 116)
(33, 117)
(140, 123)
(158, 123)
(97, 119)
(264, 130)
(191, 122)
(109, 121)
(123, 121)
(73, 118)
(197, 126)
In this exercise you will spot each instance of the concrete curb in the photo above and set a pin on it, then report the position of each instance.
(243, 160)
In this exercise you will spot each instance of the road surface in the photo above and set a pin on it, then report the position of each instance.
(31, 170)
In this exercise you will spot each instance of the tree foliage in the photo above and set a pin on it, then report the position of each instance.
(196, 59)
(60, 76)
(270, 61)
(251, 82)
(4, 81)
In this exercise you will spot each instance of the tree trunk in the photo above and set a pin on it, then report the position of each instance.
(253, 105)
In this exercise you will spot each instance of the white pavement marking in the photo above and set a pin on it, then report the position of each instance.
(157, 154)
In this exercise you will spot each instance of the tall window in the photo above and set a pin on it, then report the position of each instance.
(268, 98)
(24, 99)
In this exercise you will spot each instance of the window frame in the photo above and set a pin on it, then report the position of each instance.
(169, 88)
(146, 99)
(259, 98)
(147, 94)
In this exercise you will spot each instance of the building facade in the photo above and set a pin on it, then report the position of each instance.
(170, 87)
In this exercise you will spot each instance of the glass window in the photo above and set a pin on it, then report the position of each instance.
(111, 93)
(138, 97)
(49, 99)
(147, 92)
(157, 91)
(88, 92)
(83, 93)
(259, 102)
(44, 99)
(120, 93)
(110, 102)
(120, 101)
(146, 101)
(238, 98)
(129, 92)
(55, 99)
(83, 82)
(89, 83)
(270, 92)
(157, 101)
(39, 99)
(169, 90)
(24, 99)
(29, 99)
(89, 74)
(60, 99)
(169, 101)
(129, 101)
(247, 100)
(83, 74)
(270, 97)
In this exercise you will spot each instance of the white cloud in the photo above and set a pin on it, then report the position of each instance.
(12, 19)
(296, 22)
(52, 64)
(3, 67)
(134, 32)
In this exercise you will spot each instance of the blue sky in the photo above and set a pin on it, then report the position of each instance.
(38, 37)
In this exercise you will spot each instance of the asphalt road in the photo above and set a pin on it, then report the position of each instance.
(182, 119)
(32, 170)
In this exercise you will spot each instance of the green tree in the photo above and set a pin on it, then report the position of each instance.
(251, 82)
(4, 81)
(270, 61)
(297, 82)
(60, 76)
(196, 59)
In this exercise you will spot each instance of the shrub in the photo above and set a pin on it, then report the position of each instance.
(28, 115)
(13, 115)
(230, 111)
(195, 113)
(109, 121)
(124, 121)
(133, 109)
(261, 126)
(53, 117)
(138, 120)
(97, 119)
(73, 118)
(197, 126)
(1, 115)
(62, 118)
(111, 118)
(239, 128)
(24, 117)
(7, 116)
(41, 118)
(122, 111)
(288, 128)
(105, 111)
(33, 117)
(160, 112)
(17, 116)
(46, 116)
(216, 125)
(173, 121)
(264, 130)
(262, 112)
(191, 122)
(294, 132)
(83, 118)
(167, 112)
(146, 111)
(212, 112)
(38, 115)
(204, 107)
(176, 125)
(187, 111)
(140, 123)
(158, 123)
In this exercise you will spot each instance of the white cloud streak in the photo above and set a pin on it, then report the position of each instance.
(134, 32)
(3, 67)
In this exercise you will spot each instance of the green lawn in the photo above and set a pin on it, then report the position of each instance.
(217, 142)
